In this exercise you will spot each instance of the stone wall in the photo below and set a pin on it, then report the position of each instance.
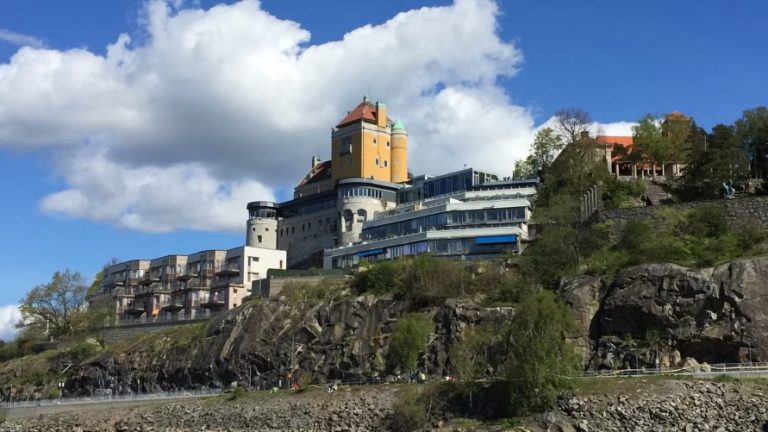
(747, 210)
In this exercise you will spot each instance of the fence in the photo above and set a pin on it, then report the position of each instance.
(702, 370)
(111, 398)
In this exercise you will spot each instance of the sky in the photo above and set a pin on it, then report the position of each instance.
(135, 129)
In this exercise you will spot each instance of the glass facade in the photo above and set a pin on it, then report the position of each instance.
(444, 185)
(447, 220)
(467, 248)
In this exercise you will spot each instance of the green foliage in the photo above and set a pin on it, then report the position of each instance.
(715, 159)
(541, 361)
(725, 379)
(53, 393)
(544, 148)
(622, 194)
(409, 339)
(237, 393)
(469, 356)
(56, 308)
(752, 135)
(408, 413)
(326, 290)
(649, 141)
(305, 380)
(423, 279)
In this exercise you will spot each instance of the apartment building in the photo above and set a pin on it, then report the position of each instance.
(185, 286)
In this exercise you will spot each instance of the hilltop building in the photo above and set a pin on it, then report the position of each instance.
(364, 196)
(360, 204)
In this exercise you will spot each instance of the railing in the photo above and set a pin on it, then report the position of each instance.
(702, 370)
(163, 319)
(109, 398)
(516, 223)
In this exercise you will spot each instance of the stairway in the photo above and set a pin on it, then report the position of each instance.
(655, 194)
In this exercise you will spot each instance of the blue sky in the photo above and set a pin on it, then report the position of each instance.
(514, 65)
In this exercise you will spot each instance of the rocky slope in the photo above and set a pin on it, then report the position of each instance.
(265, 341)
(664, 311)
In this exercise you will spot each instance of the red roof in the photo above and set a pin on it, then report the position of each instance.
(321, 171)
(626, 141)
(366, 111)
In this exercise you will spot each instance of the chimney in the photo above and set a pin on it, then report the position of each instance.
(584, 135)
(315, 161)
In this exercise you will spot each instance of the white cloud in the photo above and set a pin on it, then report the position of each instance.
(9, 316)
(218, 107)
(20, 39)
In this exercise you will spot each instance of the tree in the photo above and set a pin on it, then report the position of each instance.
(541, 361)
(752, 132)
(409, 339)
(650, 142)
(468, 356)
(57, 308)
(716, 158)
(524, 168)
(570, 123)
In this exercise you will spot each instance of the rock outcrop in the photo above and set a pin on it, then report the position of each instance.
(713, 315)
(267, 342)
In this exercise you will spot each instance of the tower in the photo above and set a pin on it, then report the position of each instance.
(399, 170)
(261, 228)
(363, 142)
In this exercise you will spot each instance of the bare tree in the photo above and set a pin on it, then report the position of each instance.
(570, 123)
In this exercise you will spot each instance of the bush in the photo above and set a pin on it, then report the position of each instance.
(408, 412)
(408, 340)
(541, 361)
(237, 393)
(707, 220)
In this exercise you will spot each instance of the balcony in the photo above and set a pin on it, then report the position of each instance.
(123, 292)
(111, 282)
(214, 302)
(149, 279)
(228, 270)
(188, 273)
(136, 309)
(173, 305)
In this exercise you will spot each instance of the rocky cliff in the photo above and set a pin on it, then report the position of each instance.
(664, 311)
(264, 341)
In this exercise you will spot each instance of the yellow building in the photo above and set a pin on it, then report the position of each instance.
(368, 144)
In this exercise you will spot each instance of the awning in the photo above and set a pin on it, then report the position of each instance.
(370, 252)
(496, 239)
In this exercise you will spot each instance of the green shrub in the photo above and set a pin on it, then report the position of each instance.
(707, 220)
(237, 393)
(54, 393)
(541, 361)
(408, 413)
(409, 339)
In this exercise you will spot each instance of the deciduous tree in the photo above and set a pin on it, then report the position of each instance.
(56, 308)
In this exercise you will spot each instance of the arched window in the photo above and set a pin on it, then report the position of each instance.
(362, 215)
(348, 220)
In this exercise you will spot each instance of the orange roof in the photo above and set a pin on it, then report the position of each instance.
(366, 111)
(677, 116)
(626, 141)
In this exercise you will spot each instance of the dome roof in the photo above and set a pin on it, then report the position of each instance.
(398, 125)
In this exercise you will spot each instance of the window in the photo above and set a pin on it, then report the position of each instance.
(377, 161)
(346, 145)
(385, 164)
(348, 220)
(362, 215)
(387, 143)
(293, 230)
(253, 229)
(266, 229)
(309, 226)
(374, 140)
(281, 264)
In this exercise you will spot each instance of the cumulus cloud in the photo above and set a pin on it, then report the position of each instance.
(217, 107)
(20, 39)
(9, 316)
